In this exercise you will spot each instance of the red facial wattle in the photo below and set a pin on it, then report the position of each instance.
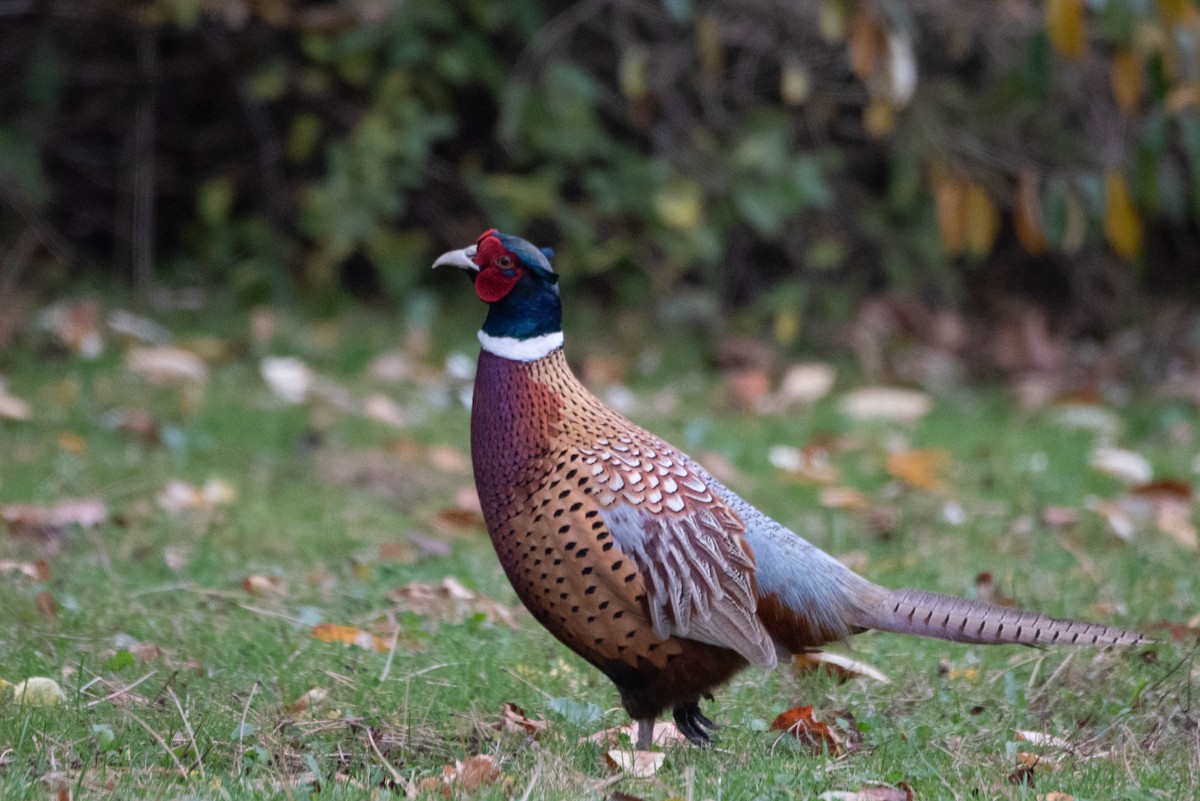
(499, 270)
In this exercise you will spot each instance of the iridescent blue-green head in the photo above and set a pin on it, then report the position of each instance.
(517, 282)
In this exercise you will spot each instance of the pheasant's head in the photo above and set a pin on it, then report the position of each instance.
(516, 280)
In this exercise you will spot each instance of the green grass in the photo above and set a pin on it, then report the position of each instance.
(209, 713)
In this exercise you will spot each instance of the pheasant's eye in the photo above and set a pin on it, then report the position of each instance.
(503, 262)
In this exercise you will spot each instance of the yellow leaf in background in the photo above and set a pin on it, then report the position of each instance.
(1174, 12)
(712, 52)
(631, 72)
(919, 469)
(867, 43)
(982, 221)
(879, 118)
(950, 196)
(680, 204)
(794, 84)
(1122, 226)
(1075, 231)
(1027, 217)
(831, 21)
(71, 442)
(1126, 79)
(350, 635)
(1064, 25)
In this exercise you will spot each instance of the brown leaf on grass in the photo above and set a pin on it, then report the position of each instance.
(665, 734)
(1128, 467)
(748, 388)
(638, 764)
(12, 407)
(307, 701)
(800, 723)
(46, 606)
(76, 325)
(920, 469)
(804, 384)
(47, 524)
(838, 665)
(987, 591)
(1055, 796)
(843, 498)
(450, 602)
(470, 776)
(809, 465)
(139, 424)
(167, 366)
(901, 792)
(513, 719)
(1060, 517)
(1178, 632)
(178, 497)
(37, 571)
(350, 635)
(449, 459)
(264, 586)
(886, 403)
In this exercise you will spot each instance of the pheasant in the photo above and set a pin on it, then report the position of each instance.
(633, 555)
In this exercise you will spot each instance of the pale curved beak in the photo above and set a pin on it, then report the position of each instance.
(463, 259)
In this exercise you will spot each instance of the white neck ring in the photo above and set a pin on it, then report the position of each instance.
(521, 350)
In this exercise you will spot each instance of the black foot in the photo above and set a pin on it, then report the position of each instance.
(692, 723)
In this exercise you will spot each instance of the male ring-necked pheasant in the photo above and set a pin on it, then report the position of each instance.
(635, 557)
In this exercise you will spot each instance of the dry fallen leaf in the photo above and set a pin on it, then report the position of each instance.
(264, 586)
(470, 776)
(886, 403)
(350, 635)
(309, 700)
(12, 407)
(76, 324)
(382, 409)
(450, 602)
(513, 719)
(638, 764)
(47, 524)
(1128, 467)
(288, 377)
(177, 497)
(166, 366)
(800, 723)
(665, 733)
(901, 792)
(841, 666)
(805, 384)
(920, 469)
(843, 498)
(810, 464)
(37, 571)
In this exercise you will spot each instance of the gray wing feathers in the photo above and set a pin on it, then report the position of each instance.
(699, 581)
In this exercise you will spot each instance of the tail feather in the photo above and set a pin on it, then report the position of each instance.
(931, 614)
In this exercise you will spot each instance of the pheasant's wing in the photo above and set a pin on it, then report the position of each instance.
(687, 544)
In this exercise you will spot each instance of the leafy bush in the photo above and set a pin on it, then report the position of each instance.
(793, 156)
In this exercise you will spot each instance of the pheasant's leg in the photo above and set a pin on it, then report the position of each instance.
(645, 738)
(693, 724)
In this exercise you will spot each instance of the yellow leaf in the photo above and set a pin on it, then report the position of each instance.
(1075, 231)
(1173, 12)
(680, 204)
(982, 221)
(350, 635)
(920, 468)
(950, 197)
(867, 43)
(794, 84)
(879, 118)
(1064, 25)
(1027, 217)
(831, 21)
(1122, 226)
(72, 443)
(712, 52)
(1126, 79)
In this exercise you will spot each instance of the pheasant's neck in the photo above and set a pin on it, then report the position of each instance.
(521, 350)
(526, 324)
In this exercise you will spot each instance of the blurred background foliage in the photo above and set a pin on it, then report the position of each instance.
(778, 162)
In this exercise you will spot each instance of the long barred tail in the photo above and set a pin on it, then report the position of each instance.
(931, 614)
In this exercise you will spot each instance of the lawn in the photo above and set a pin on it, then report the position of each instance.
(297, 599)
